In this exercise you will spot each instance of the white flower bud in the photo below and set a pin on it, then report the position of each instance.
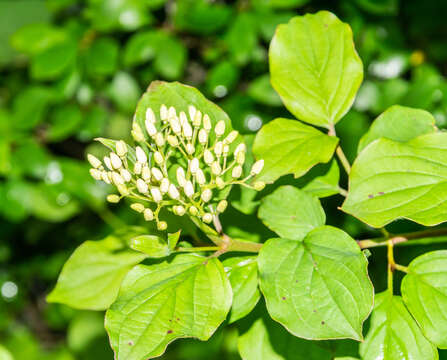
(141, 155)
(220, 183)
(142, 186)
(96, 174)
(146, 173)
(121, 148)
(226, 150)
(194, 165)
(187, 130)
(200, 177)
(203, 137)
(172, 140)
(207, 218)
(259, 185)
(171, 112)
(158, 157)
(239, 148)
(137, 168)
(108, 163)
(156, 194)
(127, 176)
(113, 198)
(105, 177)
(123, 190)
(197, 119)
(221, 206)
(117, 179)
(94, 161)
(137, 134)
(188, 189)
(137, 207)
(150, 116)
(173, 192)
(208, 157)
(159, 139)
(231, 137)
(218, 148)
(179, 210)
(175, 125)
(257, 167)
(162, 225)
(220, 128)
(237, 172)
(164, 185)
(181, 178)
(109, 175)
(115, 161)
(151, 129)
(215, 168)
(192, 112)
(148, 214)
(240, 157)
(163, 112)
(206, 123)
(190, 149)
(193, 211)
(206, 195)
(183, 119)
(157, 174)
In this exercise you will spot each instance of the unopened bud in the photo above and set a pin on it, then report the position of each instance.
(240, 157)
(231, 137)
(193, 211)
(218, 148)
(142, 186)
(222, 206)
(171, 112)
(113, 198)
(108, 163)
(156, 194)
(237, 172)
(187, 130)
(226, 150)
(141, 155)
(203, 137)
(137, 168)
(146, 173)
(172, 140)
(121, 148)
(257, 167)
(115, 161)
(158, 157)
(150, 116)
(192, 112)
(259, 185)
(96, 174)
(207, 218)
(137, 134)
(206, 123)
(105, 177)
(220, 183)
(157, 174)
(194, 165)
(159, 139)
(164, 186)
(175, 125)
(117, 178)
(148, 214)
(173, 192)
(163, 112)
(123, 190)
(137, 207)
(127, 176)
(206, 195)
(215, 168)
(179, 210)
(188, 189)
(151, 129)
(197, 119)
(190, 149)
(220, 128)
(200, 177)
(239, 148)
(208, 157)
(181, 179)
(183, 119)
(162, 225)
(94, 161)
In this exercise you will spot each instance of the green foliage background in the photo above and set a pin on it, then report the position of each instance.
(72, 70)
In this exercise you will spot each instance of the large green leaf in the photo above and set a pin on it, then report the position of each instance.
(189, 297)
(318, 288)
(315, 68)
(291, 212)
(290, 147)
(267, 340)
(399, 123)
(391, 180)
(243, 275)
(325, 185)
(394, 334)
(424, 291)
(92, 276)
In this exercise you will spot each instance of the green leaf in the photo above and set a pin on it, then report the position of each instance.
(124, 91)
(173, 239)
(267, 340)
(241, 38)
(325, 185)
(318, 288)
(424, 291)
(243, 275)
(222, 78)
(102, 56)
(151, 245)
(399, 123)
(290, 147)
(5, 354)
(391, 180)
(381, 7)
(315, 68)
(394, 334)
(280, 4)
(92, 276)
(171, 57)
(141, 47)
(291, 212)
(64, 122)
(54, 61)
(35, 38)
(180, 96)
(189, 297)
(261, 91)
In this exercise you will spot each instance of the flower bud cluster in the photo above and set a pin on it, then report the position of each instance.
(181, 162)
